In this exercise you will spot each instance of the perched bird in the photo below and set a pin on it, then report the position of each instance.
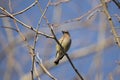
(65, 42)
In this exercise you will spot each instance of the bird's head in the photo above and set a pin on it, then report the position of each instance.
(65, 32)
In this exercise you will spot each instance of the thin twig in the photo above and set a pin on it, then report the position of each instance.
(29, 47)
(17, 30)
(58, 2)
(10, 6)
(111, 22)
(10, 28)
(24, 39)
(35, 41)
(74, 66)
(81, 17)
(117, 3)
(32, 71)
(25, 25)
(24, 10)
(39, 61)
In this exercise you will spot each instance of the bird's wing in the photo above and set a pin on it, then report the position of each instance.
(68, 46)
(58, 46)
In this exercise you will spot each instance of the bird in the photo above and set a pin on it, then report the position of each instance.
(65, 42)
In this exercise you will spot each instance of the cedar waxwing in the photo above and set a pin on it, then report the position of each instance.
(65, 42)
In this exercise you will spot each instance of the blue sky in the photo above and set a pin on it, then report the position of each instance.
(99, 63)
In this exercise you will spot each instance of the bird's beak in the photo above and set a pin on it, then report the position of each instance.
(63, 32)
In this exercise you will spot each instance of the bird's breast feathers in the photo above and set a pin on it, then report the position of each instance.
(65, 42)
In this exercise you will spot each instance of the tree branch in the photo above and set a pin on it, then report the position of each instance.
(117, 39)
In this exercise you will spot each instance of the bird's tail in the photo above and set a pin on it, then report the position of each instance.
(56, 61)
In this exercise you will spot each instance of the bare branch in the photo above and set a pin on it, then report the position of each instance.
(10, 28)
(117, 3)
(25, 25)
(81, 17)
(111, 22)
(39, 61)
(59, 2)
(35, 41)
(22, 11)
